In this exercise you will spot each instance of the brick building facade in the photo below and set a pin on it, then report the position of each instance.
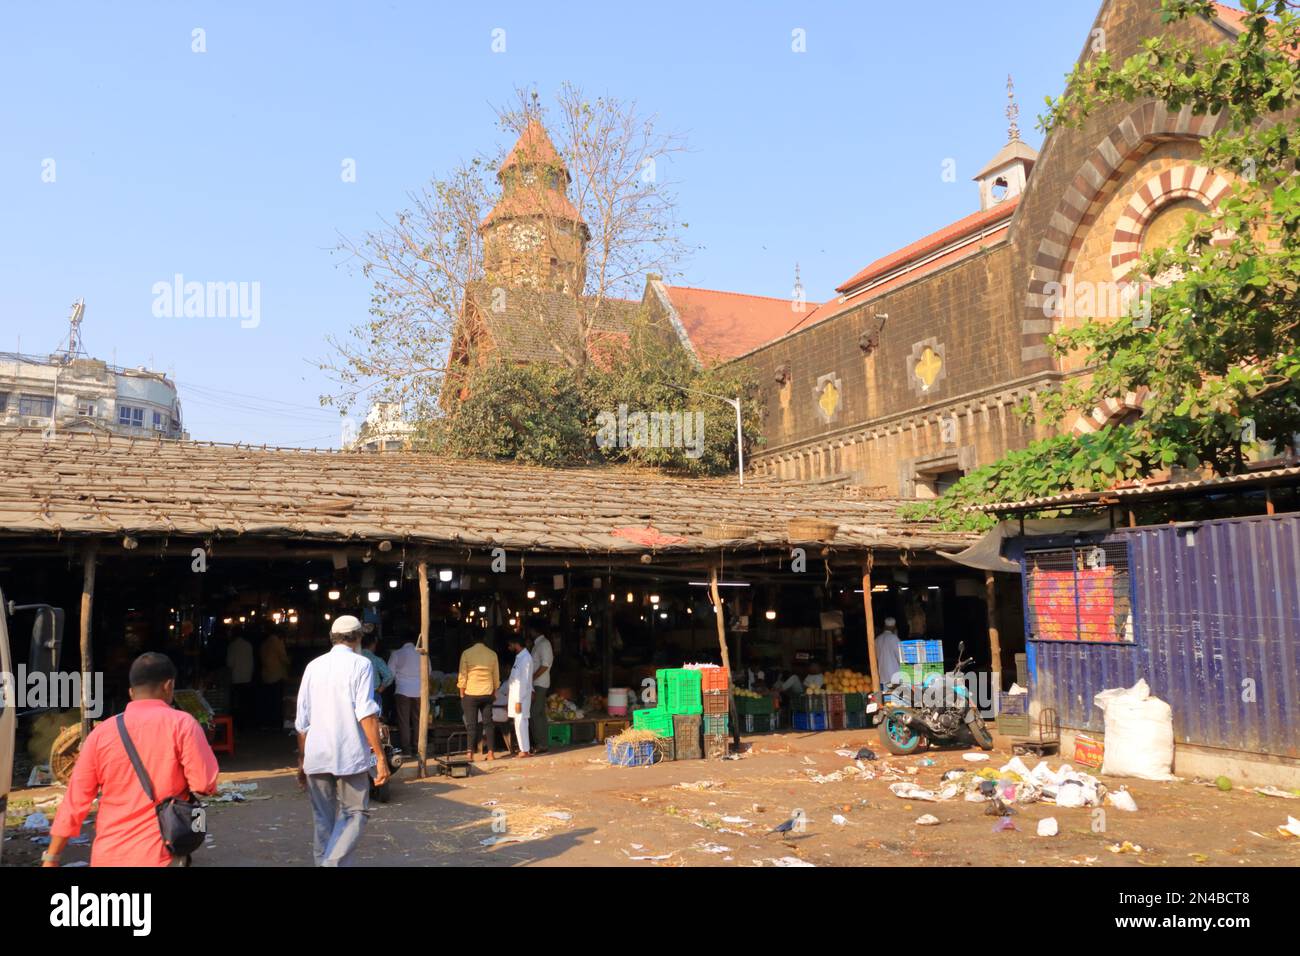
(910, 376)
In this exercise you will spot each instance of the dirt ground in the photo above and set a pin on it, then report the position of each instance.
(570, 807)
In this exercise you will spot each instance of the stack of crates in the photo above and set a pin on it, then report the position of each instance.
(716, 692)
(835, 712)
(682, 695)
(921, 659)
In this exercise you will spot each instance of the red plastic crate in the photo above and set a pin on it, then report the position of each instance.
(714, 678)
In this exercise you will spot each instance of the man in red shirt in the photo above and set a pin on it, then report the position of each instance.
(175, 754)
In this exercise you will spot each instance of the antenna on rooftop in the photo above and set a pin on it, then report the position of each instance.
(74, 347)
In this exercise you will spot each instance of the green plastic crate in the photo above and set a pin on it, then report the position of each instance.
(855, 703)
(679, 691)
(656, 720)
(716, 726)
(559, 735)
(753, 705)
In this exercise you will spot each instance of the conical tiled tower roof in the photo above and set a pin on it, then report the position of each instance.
(544, 195)
(533, 148)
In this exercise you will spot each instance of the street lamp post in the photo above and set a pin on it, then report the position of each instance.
(740, 432)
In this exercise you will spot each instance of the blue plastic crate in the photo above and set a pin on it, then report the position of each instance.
(809, 721)
(922, 652)
(639, 754)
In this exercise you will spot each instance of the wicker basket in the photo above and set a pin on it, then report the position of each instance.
(811, 529)
(724, 531)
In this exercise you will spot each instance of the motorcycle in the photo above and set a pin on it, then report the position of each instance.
(393, 754)
(937, 712)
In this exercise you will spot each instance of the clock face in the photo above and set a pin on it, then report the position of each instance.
(527, 236)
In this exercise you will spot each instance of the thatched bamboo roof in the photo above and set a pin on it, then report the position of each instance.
(84, 484)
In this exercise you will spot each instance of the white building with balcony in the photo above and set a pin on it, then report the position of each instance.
(74, 393)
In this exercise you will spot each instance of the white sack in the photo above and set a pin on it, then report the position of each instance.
(1139, 733)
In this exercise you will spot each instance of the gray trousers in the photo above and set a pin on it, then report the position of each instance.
(340, 807)
(539, 727)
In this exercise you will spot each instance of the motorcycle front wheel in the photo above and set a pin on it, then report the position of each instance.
(899, 739)
(980, 733)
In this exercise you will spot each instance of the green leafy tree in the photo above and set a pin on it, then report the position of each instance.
(1214, 336)
(555, 413)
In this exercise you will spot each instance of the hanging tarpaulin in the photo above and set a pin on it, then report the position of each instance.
(986, 554)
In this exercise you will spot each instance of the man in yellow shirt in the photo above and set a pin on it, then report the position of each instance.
(480, 673)
(275, 670)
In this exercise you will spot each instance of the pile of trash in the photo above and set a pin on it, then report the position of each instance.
(1016, 783)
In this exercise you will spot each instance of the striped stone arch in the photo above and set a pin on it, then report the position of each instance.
(1100, 175)
(1182, 182)
(1111, 410)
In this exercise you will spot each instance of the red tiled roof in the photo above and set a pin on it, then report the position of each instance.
(835, 306)
(1229, 15)
(932, 243)
(539, 201)
(722, 325)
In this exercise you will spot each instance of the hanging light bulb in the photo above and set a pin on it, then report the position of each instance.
(392, 582)
(482, 608)
(373, 597)
(629, 597)
(770, 615)
(445, 574)
(313, 586)
(654, 599)
(334, 594)
(531, 594)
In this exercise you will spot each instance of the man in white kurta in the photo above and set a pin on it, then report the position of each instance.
(889, 653)
(520, 699)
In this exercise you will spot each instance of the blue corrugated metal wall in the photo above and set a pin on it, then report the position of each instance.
(1217, 612)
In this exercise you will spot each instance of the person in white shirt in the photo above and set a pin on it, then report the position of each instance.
(338, 743)
(405, 665)
(519, 701)
(889, 653)
(543, 655)
(239, 658)
(815, 677)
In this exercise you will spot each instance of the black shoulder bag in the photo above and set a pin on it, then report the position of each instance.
(183, 823)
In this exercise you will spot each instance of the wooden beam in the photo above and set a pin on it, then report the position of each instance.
(88, 555)
(1269, 507)
(995, 642)
(871, 624)
(726, 657)
(423, 742)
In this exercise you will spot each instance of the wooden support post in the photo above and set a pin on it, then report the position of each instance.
(607, 645)
(877, 678)
(88, 555)
(726, 657)
(995, 642)
(423, 742)
(1269, 507)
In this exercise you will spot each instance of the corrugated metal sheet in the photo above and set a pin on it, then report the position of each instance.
(1217, 608)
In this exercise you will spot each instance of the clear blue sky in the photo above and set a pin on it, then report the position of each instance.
(225, 166)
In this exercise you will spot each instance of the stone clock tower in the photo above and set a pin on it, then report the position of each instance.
(535, 238)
